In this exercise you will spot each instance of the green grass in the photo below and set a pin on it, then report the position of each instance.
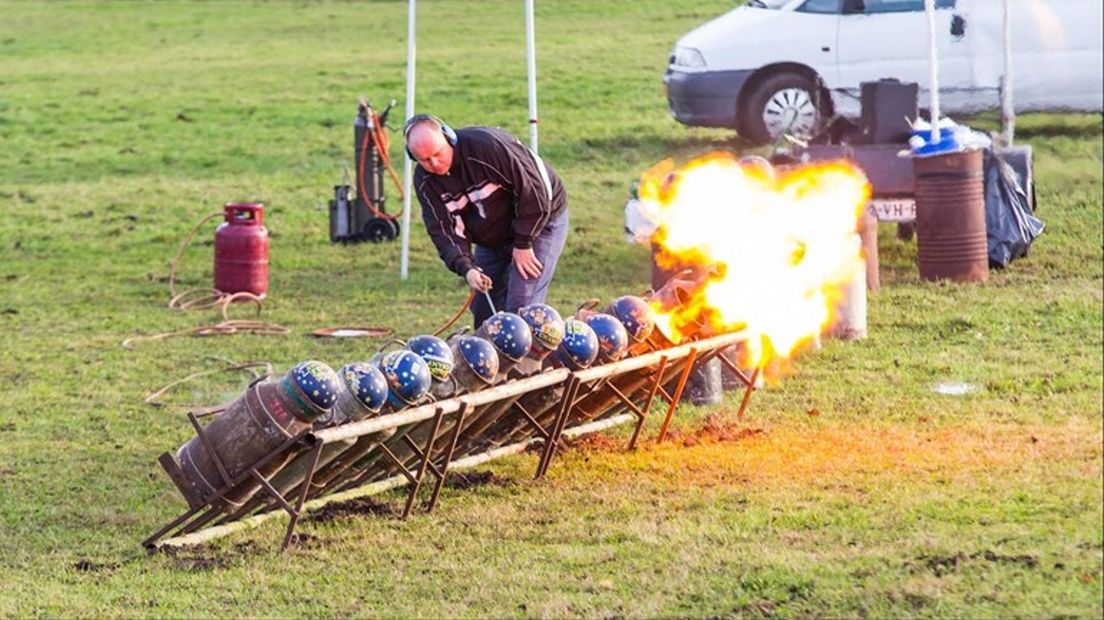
(121, 124)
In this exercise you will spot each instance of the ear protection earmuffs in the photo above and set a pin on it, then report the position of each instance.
(450, 135)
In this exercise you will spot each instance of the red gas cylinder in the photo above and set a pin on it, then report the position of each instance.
(241, 250)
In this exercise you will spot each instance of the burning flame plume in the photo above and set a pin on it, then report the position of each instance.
(781, 246)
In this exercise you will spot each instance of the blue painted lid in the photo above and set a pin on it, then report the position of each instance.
(318, 382)
(408, 378)
(579, 347)
(613, 340)
(546, 324)
(480, 356)
(366, 383)
(509, 334)
(437, 355)
(636, 315)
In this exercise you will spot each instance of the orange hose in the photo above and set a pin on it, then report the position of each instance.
(456, 317)
(380, 140)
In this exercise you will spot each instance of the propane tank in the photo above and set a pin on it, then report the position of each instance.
(258, 422)
(241, 250)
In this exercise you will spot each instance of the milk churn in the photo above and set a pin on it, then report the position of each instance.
(258, 422)
(363, 393)
(511, 336)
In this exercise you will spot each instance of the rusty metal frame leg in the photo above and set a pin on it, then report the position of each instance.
(559, 424)
(736, 370)
(749, 383)
(389, 455)
(647, 406)
(678, 395)
(420, 455)
(747, 394)
(210, 449)
(204, 519)
(532, 420)
(553, 438)
(448, 457)
(171, 525)
(424, 464)
(304, 489)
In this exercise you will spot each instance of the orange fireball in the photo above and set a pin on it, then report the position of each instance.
(781, 246)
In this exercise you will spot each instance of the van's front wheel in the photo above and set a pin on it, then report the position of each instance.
(783, 103)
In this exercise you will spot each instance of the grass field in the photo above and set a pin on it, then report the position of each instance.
(854, 490)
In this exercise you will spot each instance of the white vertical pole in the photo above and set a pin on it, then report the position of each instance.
(531, 56)
(1008, 112)
(933, 61)
(408, 166)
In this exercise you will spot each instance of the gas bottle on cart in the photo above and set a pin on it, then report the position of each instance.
(241, 250)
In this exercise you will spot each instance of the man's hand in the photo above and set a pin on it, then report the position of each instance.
(478, 280)
(527, 264)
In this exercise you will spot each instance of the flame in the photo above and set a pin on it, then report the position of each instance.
(781, 247)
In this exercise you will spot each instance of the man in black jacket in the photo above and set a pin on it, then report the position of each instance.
(481, 185)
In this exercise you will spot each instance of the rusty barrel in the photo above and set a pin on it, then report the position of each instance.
(950, 217)
(251, 428)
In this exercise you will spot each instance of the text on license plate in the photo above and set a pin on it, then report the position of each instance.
(893, 210)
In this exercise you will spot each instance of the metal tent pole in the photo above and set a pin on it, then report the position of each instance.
(933, 65)
(531, 56)
(408, 166)
(1008, 112)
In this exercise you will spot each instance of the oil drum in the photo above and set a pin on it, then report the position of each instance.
(241, 250)
(950, 217)
(258, 422)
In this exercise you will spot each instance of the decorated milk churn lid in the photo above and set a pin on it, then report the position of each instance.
(579, 347)
(364, 393)
(311, 388)
(510, 335)
(408, 378)
(613, 340)
(635, 314)
(436, 354)
(478, 362)
(547, 326)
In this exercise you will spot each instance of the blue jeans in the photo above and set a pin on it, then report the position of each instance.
(510, 290)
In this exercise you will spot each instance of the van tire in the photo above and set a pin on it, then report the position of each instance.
(786, 93)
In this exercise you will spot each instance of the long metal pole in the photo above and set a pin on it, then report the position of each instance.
(933, 62)
(408, 166)
(1008, 112)
(531, 56)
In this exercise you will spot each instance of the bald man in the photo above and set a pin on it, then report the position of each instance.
(481, 186)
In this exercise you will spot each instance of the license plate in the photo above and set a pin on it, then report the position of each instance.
(893, 210)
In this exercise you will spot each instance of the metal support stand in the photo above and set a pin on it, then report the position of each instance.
(297, 512)
(642, 412)
(566, 405)
(674, 400)
(229, 483)
(749, 383)
(485, 418)
(425, 460)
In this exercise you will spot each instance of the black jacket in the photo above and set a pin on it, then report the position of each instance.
(497, 194)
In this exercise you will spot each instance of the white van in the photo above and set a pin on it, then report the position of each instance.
(775, 66)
